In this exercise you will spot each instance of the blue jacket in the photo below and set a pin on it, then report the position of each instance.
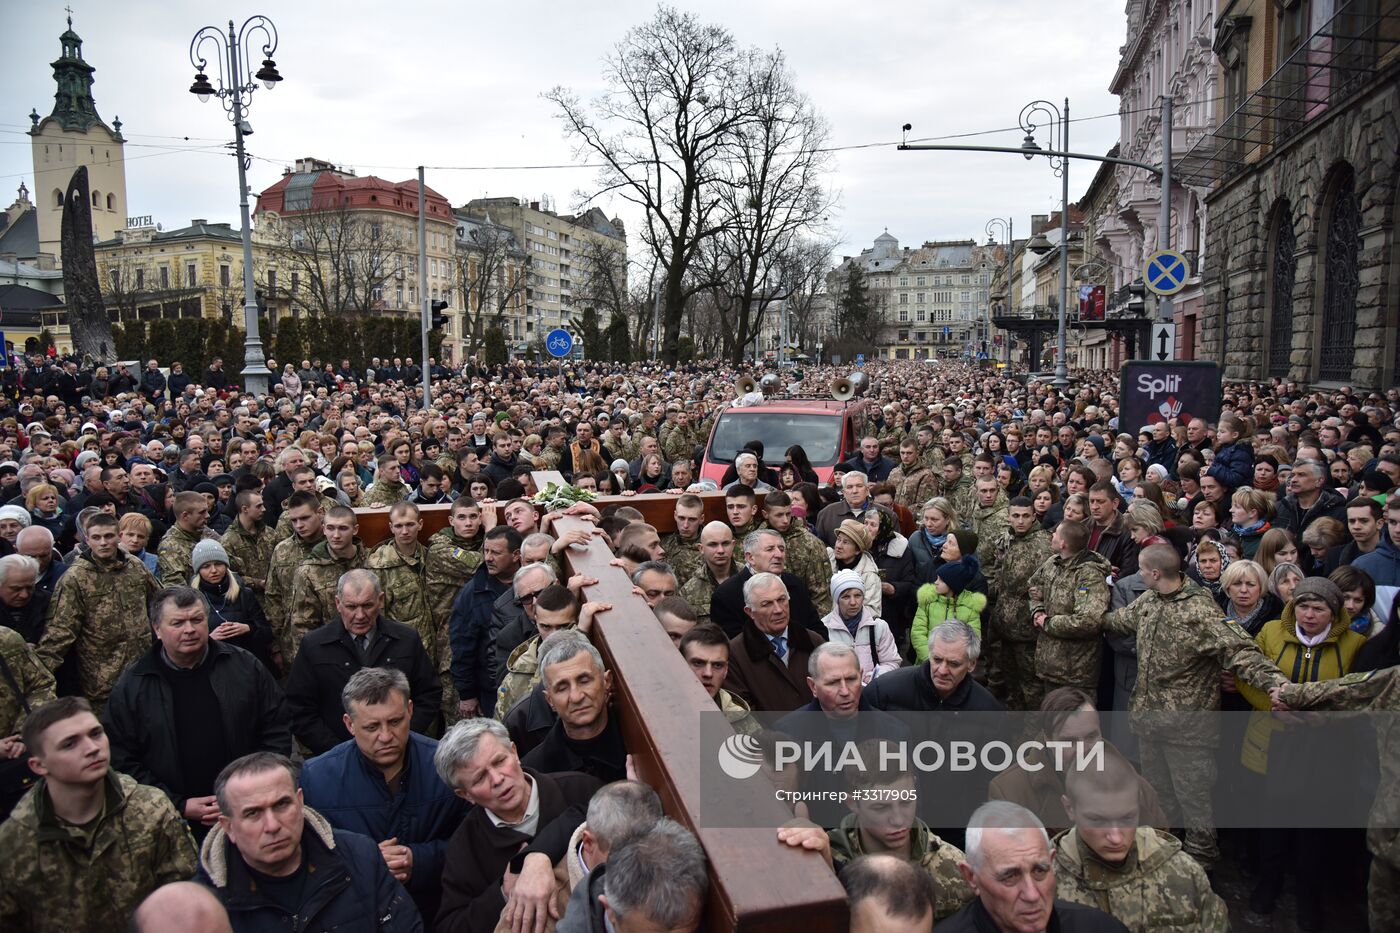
(349, 889)
(350, 792)
(876, 472)
(1383, 567)
(1233, 465)
(467, 631)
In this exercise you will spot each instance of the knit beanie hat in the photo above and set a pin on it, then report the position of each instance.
(958, 574)
(856, 531)
(1315, 589)
(967, 541)
(207, 551)
(843, 580)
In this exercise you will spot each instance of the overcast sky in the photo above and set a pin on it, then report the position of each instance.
(382, 87)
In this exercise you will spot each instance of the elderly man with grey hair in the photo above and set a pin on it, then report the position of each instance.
(500, 861)
(941, 682)
(37, 542)
(511, 624)
(746, 468)
(359, 636)
(655, 881)
(413, 821)
(768, 658)
(23, 606)
(578, 688)
(765, 551)
(1011, 868)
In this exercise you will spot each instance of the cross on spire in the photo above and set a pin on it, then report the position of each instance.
(69, 8)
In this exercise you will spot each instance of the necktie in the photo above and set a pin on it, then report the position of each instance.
(362, 643)
(780, 646)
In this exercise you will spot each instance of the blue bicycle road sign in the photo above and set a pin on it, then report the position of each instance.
(1165, 272)
(559, 342)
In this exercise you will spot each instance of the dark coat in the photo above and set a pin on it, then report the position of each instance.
(1163, 454)
(327, 660)
(348, 887)
(1296, 519)
(498, 469)
(479, 851)
(604, 757)
(926, 558)
(764, 682)
(910, 689)
(468, 631)
(510, 628)
(344, 787)
(177, 384)
(1117, 546)
(236, 602)
(727, 604)
(140, 716)
(1064, 918)
(215, 379)
(152, 382)
(31, 620)
(876, 472)
(529, 721)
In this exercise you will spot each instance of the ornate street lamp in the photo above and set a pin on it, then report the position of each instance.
(1059, 142)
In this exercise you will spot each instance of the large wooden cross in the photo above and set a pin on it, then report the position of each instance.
(756, 883)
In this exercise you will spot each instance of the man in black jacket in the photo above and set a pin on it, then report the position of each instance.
(521, 823)
(941, 682)
(765, 551)
(584, 737)
(1007, 840)
(191, 705)
(359, 636)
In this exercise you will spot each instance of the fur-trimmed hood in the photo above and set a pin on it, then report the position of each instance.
(213, 854)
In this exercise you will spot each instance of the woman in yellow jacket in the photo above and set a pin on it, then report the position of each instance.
(1311, 641)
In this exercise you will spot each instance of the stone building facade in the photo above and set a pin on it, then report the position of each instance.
(1305, 280)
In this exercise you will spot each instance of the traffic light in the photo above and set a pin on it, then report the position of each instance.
(439, 317)
(1137, 299)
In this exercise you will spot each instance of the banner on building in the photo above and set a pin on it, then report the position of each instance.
(1152, 392)
(1092, 301)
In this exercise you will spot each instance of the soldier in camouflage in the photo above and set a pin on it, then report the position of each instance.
(1184, 642)
(1379, 691)
(806, 556)
(1068, 598)
(99, 612)
(741, 509)
(303, 478)
(307, 517)
(989, 518)
(914, 482)
(717, 552)
(86, 844)
(173, 566)
(682, 546)
(312, 602)
(1136, 873)
(387, 487)
(401, 565)
(1023, 546)
(454, 553)
(958, 489)
(249, 542)
(34, 682)
(930, 452)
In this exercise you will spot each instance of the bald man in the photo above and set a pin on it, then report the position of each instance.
(181, 907)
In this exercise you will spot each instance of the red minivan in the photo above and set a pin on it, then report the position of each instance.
(829, 431)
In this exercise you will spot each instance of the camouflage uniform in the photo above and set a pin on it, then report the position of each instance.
(1183, 643)
(738, 712)
(1370, 690)
(1159, 886)
(286, 558)
(173, 558)
(312, 603)
(1074, 596)
(283, 529)
(549, 457)
(744, 530)
(70, 879)
(1015, 559)
(522, 674)
(447, 462)
(917, 487)
(252, 551)
(404, 580)
(381, 493)
(932, 457)
(963, 496)
(806, 557)
(35, 683)
(452, 560)
(99, 611)
(701, 588)
(990, 524)
(683, 556)
(932, 854)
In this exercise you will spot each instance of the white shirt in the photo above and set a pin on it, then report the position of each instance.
(530, 823)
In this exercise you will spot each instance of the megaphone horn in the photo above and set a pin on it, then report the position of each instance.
(860, 382)
(842, 390)
(744, 385)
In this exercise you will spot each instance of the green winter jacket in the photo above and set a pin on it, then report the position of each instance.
(935, 608)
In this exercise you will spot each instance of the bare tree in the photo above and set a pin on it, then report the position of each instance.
(675, 94)
(490, 272)
(132, 284)
(803, 267)
(344, 260)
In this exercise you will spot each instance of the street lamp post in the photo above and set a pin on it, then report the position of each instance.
(1059, 140)
(1006, 226)
(235, 92)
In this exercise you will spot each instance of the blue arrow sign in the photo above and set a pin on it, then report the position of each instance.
(559, 342)
(1165, 272)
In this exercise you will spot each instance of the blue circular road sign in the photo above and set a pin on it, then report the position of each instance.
(1165, 272)
(559, 342)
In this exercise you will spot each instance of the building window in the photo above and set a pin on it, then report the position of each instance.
(191, 275)
(111, 202)
(919, 281)
(903, 315)
(1342, 279)
(923, 315)
(224, 274)
(1283, 275)
(272, 280)
(919, 298)
(904, 336)
(140, 279)
(164, 276)
(116, 276)
(296, 282)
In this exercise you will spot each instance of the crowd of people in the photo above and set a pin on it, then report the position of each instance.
(221, 710)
